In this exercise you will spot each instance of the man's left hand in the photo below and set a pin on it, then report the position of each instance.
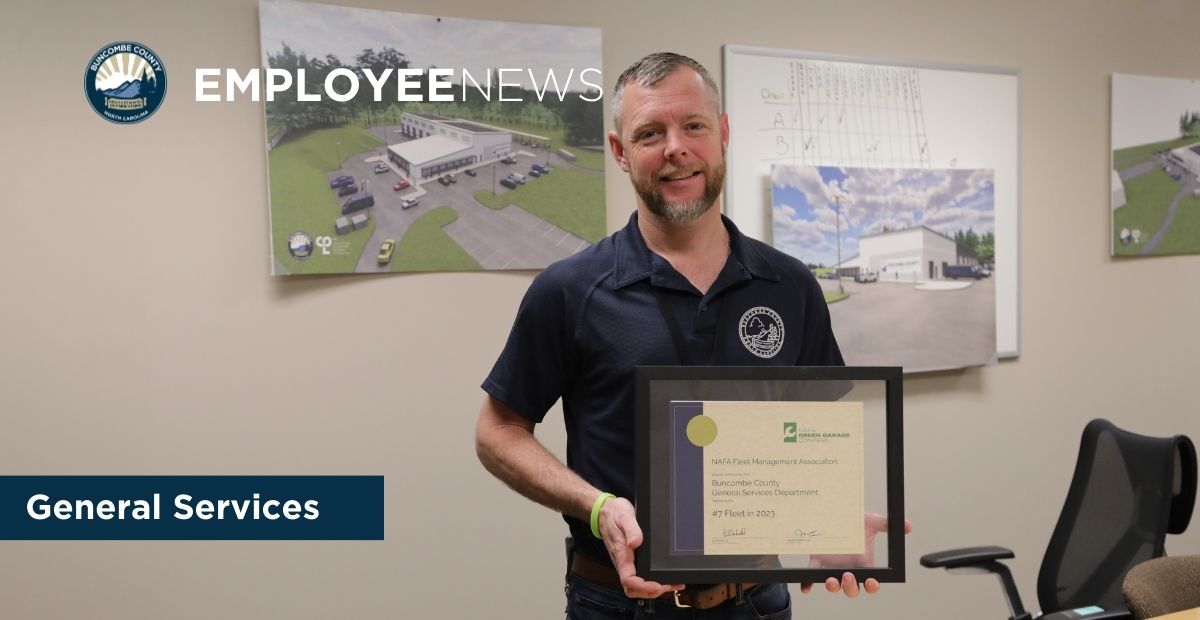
(873, 524)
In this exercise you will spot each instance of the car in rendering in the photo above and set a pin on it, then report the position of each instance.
(517, 177)
(955, 272)
(509, 183)
(453, 178)
(470, 172)
(408, 203)
(403, 184)
(829, 275)
(381, 167)
(863, 277)
(444, 181)
(341, 181)
(385, 251)
(534, 172)
(542, 169)
(346, 190)
(358, 202)
(509, 160)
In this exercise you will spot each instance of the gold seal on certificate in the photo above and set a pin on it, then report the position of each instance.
(779, 477)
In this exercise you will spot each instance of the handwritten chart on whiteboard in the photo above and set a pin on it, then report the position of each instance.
(856, 116)
(805, 109)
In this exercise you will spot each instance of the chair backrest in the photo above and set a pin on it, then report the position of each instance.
(1163, 586)
(1127, 493)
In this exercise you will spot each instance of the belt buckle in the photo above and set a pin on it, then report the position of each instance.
(677, 603)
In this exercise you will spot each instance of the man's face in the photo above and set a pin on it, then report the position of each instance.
(672, 144)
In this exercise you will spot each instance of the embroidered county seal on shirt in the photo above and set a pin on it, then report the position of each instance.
(761, 330)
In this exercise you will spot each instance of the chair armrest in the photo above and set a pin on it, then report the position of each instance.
(984, 559)
(967, 556)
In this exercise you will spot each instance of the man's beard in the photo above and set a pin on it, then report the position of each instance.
(681, 212)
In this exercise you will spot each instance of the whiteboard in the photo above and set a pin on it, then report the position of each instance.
(794, 107)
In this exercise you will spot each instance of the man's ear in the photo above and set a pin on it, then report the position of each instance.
(724, 131)
(618, 150)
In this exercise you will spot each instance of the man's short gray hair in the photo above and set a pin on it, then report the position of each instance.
(654, 68)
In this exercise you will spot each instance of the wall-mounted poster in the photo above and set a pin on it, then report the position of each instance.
(402, 142)
(1155, 165)
(956, 123)
(903, 256)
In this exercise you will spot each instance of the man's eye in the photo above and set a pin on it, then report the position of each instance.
(649, 133)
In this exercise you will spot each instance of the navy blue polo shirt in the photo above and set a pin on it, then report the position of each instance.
(588, 320)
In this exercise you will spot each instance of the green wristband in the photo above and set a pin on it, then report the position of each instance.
(604, 497)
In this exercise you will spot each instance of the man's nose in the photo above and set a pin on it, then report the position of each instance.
(677, 146)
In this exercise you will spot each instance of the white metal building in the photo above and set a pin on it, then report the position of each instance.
(1188, 158)
(907, 255)
(439, 144)
(1118, 191)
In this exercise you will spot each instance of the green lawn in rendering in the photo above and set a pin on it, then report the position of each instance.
(1184, 235)
(302, 201)
(1147, 199)
(426, 247)
(569, 199)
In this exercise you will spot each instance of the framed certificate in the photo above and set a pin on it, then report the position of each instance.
(769, 474)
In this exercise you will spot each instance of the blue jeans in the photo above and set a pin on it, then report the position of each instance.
(588, 601)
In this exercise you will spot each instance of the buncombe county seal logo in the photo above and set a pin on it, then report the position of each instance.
(125, 82)
(300, 245)
(761, 330)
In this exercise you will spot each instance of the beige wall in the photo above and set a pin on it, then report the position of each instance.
(147, 338)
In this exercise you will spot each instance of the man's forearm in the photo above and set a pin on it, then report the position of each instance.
(512, 454)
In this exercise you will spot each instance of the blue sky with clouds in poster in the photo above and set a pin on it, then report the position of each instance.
(872, 200)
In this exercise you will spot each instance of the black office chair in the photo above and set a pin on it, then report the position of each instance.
(1128, 492)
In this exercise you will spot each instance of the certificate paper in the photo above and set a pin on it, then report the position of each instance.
(775, 477)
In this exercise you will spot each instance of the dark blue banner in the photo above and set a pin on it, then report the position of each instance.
(191, 507)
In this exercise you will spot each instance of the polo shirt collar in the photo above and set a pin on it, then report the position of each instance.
(633, 261)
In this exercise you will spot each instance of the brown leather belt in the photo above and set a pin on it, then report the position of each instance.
(604, 575)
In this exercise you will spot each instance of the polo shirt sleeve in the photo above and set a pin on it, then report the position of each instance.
(820, 347)
(530, 374)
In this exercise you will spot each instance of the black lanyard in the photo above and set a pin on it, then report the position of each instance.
(677, 334)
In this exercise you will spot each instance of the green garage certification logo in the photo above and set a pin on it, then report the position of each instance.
(125, 82)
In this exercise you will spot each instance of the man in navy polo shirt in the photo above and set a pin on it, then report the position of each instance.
(678, 285)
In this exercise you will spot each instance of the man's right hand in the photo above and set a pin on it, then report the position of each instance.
(619, 528)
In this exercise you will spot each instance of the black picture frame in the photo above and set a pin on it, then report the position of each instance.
(658, 386)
